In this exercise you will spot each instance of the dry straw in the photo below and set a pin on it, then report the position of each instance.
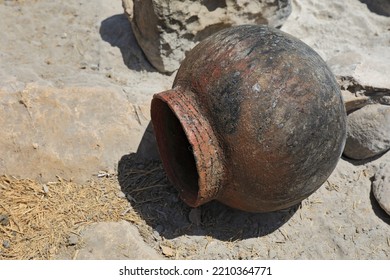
(38, 218)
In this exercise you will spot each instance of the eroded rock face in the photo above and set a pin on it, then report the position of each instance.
(368, 132)
(166, 30)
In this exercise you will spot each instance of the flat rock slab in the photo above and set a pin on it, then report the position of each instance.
(114, 241)
(381, 187)
(70, 132)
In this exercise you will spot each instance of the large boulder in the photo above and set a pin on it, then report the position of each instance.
(166, 30)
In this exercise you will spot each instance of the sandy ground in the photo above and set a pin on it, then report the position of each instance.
(90, 43)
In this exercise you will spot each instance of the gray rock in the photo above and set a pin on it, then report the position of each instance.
(114, 241)
(368, 132)
(159, 228)
(195, 216)
(381, 187)
(121, 194)
(6, 244)
(73, 239)
(4, 220)
(166, 30)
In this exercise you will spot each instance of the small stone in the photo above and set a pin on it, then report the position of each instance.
(94, 67)
(271, 254)
(195, 216)
(83, 65)
(156, 234)
(167, 251)
(159, 228)
(6, 244)
(174, 198)
(4, 220)
(130, 198)
(121, 194)
(73, 239)
(45, 188)
(368, 132)
(141, 166)
(381, 187)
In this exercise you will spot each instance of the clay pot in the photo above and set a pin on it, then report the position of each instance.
(255, 120)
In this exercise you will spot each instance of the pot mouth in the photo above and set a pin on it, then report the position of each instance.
(176, 152)
(188, 148)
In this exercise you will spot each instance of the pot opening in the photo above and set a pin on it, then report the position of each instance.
(175, 151)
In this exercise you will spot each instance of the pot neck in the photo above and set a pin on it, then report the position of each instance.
(189, 149)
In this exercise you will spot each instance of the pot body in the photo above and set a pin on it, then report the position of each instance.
(255, 119)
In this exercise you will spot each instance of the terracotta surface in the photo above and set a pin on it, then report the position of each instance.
(255, 119)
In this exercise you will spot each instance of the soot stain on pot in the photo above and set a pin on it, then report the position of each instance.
(227, 98)
(226, 102)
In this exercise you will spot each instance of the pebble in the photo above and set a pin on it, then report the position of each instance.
(121, 194)
(271, 254)
(45, 188)
(368, 132)
(94, 67)
(83, 65)
(156, 235)
(195, 216)
(6, 244)
(73, 239)
(4, 220)
(381, 187)
(159, 228)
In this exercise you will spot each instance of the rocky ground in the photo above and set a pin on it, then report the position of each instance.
(75, 89)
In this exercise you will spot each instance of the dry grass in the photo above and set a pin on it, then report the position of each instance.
(40, 217)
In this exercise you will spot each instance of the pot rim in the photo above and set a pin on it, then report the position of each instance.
(181, 105)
